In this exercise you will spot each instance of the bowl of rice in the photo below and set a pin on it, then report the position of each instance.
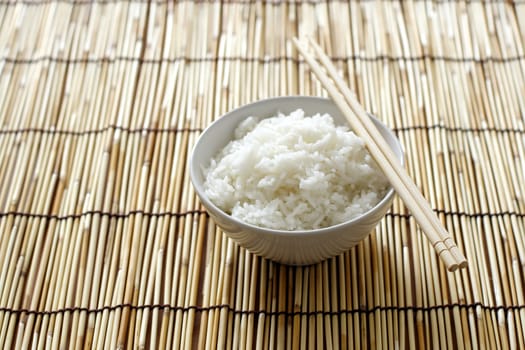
(288, 180)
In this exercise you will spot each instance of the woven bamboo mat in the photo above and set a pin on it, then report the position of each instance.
(103, 243)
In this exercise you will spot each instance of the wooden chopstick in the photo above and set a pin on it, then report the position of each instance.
(362, 115)
(399, 179)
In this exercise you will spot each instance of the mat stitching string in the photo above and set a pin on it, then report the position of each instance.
(465, 214)
(191, 212)
(102, 213)
(269, 313)
(246, 2)
(458, 129)
(178, 130)
(378, 58)
(98, 131)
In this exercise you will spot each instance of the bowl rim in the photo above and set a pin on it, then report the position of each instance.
(210, 206)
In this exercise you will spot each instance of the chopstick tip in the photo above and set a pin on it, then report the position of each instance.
(456, 252)
(463, 264)
(298, 42)
(446, 257)
(453, 267)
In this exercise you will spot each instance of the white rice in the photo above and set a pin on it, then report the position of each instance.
(294, 173)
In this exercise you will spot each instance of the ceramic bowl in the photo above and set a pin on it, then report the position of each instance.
(287, 247)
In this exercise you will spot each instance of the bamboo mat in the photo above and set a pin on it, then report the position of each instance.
(103, 243)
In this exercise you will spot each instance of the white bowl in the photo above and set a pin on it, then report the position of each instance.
(288, 247)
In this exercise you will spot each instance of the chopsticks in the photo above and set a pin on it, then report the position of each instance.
(361, 124)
